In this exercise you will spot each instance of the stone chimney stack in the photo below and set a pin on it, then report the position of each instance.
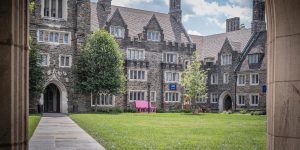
(103, 11)
(258, 19)
(232, 24)
(175, 10)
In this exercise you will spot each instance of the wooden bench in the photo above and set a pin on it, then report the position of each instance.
(142, 106)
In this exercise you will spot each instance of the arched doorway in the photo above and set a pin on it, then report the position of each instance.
(52, 99)
(227, 103)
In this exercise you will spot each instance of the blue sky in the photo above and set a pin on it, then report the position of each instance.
(201, 17)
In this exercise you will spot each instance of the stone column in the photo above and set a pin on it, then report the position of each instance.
(13, 75)
(283, 97)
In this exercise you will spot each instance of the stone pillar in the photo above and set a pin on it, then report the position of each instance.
(283, 97)
(13, 75)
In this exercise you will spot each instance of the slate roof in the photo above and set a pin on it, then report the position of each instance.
(210, 46)
(137, 19)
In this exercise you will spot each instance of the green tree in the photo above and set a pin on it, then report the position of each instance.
(194, 81)
(36, 78)
(242, 26)
(100, 66)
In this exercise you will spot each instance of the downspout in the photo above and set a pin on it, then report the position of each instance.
(235, 87)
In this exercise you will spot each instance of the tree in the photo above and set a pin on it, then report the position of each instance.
(242, 26)
(100, 66)
(36, 78)
(194, 81)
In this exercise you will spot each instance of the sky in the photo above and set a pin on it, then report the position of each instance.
(200, 17)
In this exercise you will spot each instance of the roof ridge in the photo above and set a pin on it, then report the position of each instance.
(142, 10)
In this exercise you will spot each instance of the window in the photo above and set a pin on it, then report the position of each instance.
(41, 36)
(226, 78)
(254, 79)
(54, 37)
(137, 75)
(214, 98)
(103, 100)
(214, 78)
(241, 80)
(253, 58)
(226, 59)
(134, 54)
(187, 63)
(201, 98)
(44, 59)
(240, 100)
(153, 36)
(172, 97)
(53, 8)
(117, 31)
(254, 99)
(65, 61)
(66, 38)
(153, 96)
(169, 58)
(137, 95)
(172, 77)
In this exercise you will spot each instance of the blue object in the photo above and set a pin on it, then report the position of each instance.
(264, 89)
(172, 87)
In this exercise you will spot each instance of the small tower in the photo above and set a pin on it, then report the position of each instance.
(258, 19)
(175, 10)
(232, 24)
(103, 10)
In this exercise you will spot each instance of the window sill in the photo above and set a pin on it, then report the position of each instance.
(172, 102)
(65, 67)
(252, 105)
(132, 80)
(53, 19)
(241, 85)
(254, 84)
(53, 43)
(102, 105)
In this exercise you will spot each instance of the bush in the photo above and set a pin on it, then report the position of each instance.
(130, 110)
(243, 111)
(159, 110)
(187, 111)
(258, 113)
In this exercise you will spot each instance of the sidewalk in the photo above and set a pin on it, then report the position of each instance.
(59, 132)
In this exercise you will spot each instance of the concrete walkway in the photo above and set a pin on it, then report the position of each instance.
(59, 132)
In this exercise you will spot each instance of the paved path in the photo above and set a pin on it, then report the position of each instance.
(59, 132)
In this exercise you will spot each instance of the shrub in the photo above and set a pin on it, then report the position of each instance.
(243, 111)
(130, 110)
(159, 110)
(187, 110)
(258, 113)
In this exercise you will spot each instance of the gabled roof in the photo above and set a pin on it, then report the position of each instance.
(153, 18)
(137, 19)
(210, 46)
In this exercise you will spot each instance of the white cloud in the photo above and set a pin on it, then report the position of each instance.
(240, 2)
(194, 32)
(128, 2)
(220, 24)
(186, 18)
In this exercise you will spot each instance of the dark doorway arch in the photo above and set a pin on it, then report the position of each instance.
(52, 99)
(228, 103)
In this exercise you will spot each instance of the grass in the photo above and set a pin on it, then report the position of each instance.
(176, 131)
(33, 122)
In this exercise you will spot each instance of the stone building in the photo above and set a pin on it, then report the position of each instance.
(156, 50)
(236, 65)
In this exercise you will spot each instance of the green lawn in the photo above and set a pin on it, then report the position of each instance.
(33, 122)
(175, 131)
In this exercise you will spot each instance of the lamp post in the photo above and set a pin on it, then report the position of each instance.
(149, 97)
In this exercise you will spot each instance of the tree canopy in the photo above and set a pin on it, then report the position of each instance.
(194, 80)
(100, 66)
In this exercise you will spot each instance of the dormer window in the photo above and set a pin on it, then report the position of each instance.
(170, 58)
(153, 36)
(117, 31)
(253, 58)
(226, 59)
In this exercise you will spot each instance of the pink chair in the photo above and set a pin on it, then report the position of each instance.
(142, 106)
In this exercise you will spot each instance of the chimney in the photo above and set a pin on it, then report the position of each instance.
(232, 24)
(103, 11)
(175, 10)
(258, 19)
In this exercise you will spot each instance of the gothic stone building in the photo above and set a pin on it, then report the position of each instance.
(236, 64)
(156, 50)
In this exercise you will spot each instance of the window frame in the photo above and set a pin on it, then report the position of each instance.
(134, 91)
(201, 99)
(238, 80)
(48, 59)
(250, 102)
(128, 54)
(170, 53)
(43, 9)
(227, 81)
(226, 59)
(253, 60)
(214, 96)
(117, 28)
(151, 92)
(100, 105)
(238, 99)
(217, 79)
(137, 70)
(70, 61)
(172, 76)
(61, 34)
(251, 79)
(153, 35)
(172, 92)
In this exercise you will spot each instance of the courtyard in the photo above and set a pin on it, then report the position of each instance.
(129, 131)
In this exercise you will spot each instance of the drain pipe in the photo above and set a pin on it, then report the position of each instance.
(236, 78)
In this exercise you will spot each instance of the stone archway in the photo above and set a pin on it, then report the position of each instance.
(227, 103)
(51, 99)
(63, 96)
(224, 100)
